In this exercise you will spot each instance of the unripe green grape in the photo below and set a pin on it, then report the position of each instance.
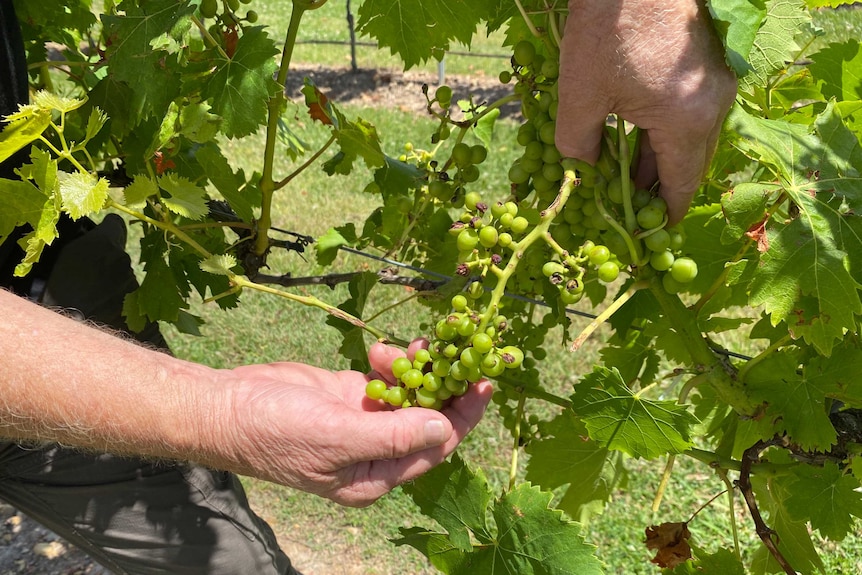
(551, 155)
(520, 224)
(439, 190)
(534, 150)
(445, 332)
(412, 378)
(608, 272)
(395, 396)
(467, 239)
(492, 365)
(375, 389)
(551, 268)
(233, 5)
(451, 350)
(569, 297)
(649, 217)
(524, 52)
(442, 366)
(657, 241)
(209, 8)
(488, 236)
(552, 111)
(539, 353)
(542, 184)
(469, 174)
(548, 132)
(684, 270)
(599, 255)
(512, 356)
(461, 155)
(553, 172)
(517, 174)
(466, 328)
(443, 94)
(482, 343)
(245, 1)
(550, 69)
(661, 261)
(471, 200)
(400, 366)
(512, 208)
(459, 302)
(498, 209)
(505, 77)
(251, 16)
(677, 238)
(615, 190)
(478, 154)
(670, 285)
(432, 381)
(526, 134)
(475, 290)
(505, 239)
(641, 198)
(422, 356)
(459, 372)
(531, 165)
(470, 357)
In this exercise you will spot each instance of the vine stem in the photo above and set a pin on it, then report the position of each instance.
(625, 176)
(634, 252)
(243, 282)
(535, 32)
(731, 500)
(305, 164)
(166, 226)
(605, 315)
(516, 448)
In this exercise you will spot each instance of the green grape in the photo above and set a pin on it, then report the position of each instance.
(375, 389)
(443, 94)
(441, 366)
(658, 241)
(422, 356)
(512, 208)
(445, 332)
(469, 174)
(458, 372)
(532, 165)
(517, 174)
(505, 239)
(451, 350)
(426, 398)
(512, 356)
(608, 272)
(520, 224)
(209, 8)
(661, 261)
(233, 5)
(461, 155)
(498, 209)
(550, 69)
(677, 238)
(534, 150)
(551, 268)
(550, 155)
(475, 291)
(482, 343)
(467, 239)
(524, 52)
(670, 285)
(547, 132)
(683, 270)
(478, 154)
(505, 77)
(492, 365)
(395, 396)
(440, 190)
(553, 172)
(251, 16)
(488, 236)
(412, 378)
(470, 357)
(599, 255)
(526, 134)
(650, 217)
(471, 200)
(459, 302)
(466, 328)
(245, 1)
(570, 297)
(432, 381)
(400, 366)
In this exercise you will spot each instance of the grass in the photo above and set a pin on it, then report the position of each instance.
(325, 538)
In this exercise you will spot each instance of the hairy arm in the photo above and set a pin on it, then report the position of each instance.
(294, 424)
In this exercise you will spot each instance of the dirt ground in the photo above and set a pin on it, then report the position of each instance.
(26, 548)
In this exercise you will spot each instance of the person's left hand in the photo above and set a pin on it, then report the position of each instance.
(315, 430)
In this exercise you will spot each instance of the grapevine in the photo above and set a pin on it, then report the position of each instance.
(135, 119)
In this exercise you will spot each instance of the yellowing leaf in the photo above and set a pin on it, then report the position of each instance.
(82, 194)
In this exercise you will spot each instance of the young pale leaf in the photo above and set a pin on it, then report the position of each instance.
(457, 498)
(737, 22)
(51, 102)
(139, 190)
(327, 246)
(624, 421)
(827, 497)
(95, 122)
(23, 130)
(240, 86)
(220, 264)
(565, 455)
(82, 194)
(186, 199)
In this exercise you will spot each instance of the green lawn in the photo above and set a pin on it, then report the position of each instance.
(324, 538)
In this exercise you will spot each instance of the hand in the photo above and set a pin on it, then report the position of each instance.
(656, 64)
(315, 430)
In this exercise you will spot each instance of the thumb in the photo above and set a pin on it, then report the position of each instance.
(396, 434)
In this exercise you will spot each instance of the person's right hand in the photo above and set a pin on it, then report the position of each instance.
(657, 64)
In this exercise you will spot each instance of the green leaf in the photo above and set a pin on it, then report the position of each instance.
(484, 128)
(229, 184)
(838, 70)
(353, 347)
(795, 404)
(775, 41)
(327, 246)
(722, 562)
(22, 203)
(221, 264)
(622, 420)
(455, 497)
(632, 353)
(827, 497)
(357, 139)
(737, 22)
(23, 131)
(82, 194)
(837, 375)
(416, 30)
(187, 199)
(239, 87)
(566, 456)
(139, 190)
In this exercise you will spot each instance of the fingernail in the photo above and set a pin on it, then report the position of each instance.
(434, 432)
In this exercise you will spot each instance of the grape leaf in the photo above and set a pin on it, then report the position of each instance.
(357, 139)
(21, 132)
(228, 183)
(827, 497)
(722, 562)
(624, 421)
(327, 246)
(219, 264)
(159, 297)
(82, 194)
(455, 497)
(838, 70)
(837, 376)
(22, 203)
(737, 22)
(775, 41)
(186, 199)
(565, 455)
(353, 345)
(239, 87)
(529, 539)
(792, 537)
(633, 354)
(416, 30)
(796, 405)
(139, 190)
(706, 247)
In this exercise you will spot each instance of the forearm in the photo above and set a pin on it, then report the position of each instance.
(64, 381)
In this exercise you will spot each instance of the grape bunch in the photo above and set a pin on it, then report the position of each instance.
(229, 14)
(465, 348)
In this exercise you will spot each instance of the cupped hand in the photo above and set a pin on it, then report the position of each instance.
(315, 430)
(658, 65)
